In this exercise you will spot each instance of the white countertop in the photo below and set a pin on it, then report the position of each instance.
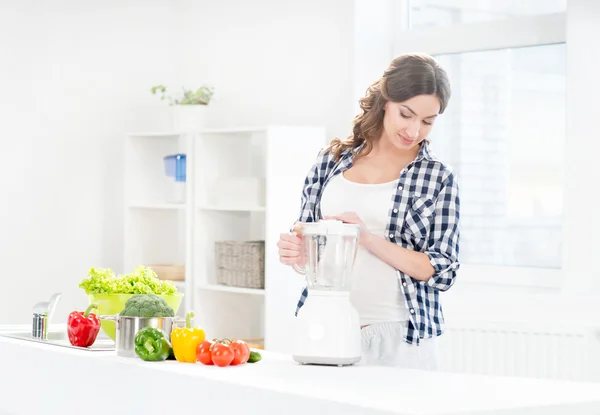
(38, 378)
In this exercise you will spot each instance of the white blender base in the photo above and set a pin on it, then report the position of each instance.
(326, 361)
(327, 330)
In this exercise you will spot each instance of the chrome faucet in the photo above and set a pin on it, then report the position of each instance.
(42, 315)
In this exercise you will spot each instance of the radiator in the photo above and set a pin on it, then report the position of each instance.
(518, 349)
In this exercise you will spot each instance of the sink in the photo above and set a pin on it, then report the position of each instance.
(42, 316)
(61, 339)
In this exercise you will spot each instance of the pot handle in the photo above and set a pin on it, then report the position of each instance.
(111, 318)
(178, 320)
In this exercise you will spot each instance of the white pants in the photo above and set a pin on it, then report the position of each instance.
(383, 344)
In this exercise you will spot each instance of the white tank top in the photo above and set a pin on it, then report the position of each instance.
(376, 292)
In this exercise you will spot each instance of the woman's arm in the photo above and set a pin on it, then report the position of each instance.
(413, 263)
(443, 244)
(438, 264)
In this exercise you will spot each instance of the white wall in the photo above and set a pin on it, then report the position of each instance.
(374, 26)
(76, 78)
(583, 67)
(283, 61)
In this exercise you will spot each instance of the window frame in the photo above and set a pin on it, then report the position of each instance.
(514, 32)
(509, 33)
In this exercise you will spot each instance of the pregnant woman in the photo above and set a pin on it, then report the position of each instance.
(386, 178)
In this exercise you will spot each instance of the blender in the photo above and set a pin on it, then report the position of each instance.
(327, 328)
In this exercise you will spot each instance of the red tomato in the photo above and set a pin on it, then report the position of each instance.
(221, 354)
(203, 353)
(241, 352)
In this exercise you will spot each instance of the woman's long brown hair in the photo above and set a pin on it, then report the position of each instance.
(407, 76)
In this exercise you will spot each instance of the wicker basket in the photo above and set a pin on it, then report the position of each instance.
(240, 264)
(169, 272)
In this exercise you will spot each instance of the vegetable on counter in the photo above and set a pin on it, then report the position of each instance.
(185, 340)
(223, 352)
(203, 354)
(152, 344)
(241, 352)
(83, 328)
(254, 357)
(143, 280)
(147, 305)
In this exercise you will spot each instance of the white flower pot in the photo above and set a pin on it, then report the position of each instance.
(189, 118)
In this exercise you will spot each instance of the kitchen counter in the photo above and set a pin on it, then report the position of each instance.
(38, 378)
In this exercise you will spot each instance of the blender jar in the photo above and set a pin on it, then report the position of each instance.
(329, 249)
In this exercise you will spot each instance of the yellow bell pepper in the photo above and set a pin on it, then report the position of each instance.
(185, 340)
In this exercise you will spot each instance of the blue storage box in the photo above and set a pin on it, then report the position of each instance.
(175, 166)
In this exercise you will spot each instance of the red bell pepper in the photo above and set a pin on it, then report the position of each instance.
(83, 328)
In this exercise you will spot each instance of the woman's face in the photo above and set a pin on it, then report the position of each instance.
(406, 124)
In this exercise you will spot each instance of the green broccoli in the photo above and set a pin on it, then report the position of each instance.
(147, 305)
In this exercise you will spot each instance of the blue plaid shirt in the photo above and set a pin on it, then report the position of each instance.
(423, 216)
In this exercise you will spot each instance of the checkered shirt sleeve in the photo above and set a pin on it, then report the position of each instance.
(443, 244)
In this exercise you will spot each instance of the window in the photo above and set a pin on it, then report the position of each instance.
(504, 133)
(431, 13)
(504, 130)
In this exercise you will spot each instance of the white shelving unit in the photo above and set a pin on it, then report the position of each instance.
(172, 206)
(243, 184)
(224, 288)
(157, 231)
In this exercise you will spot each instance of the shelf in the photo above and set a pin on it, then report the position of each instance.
(231, 130)
(237, 290)
(238, 130)
(233, 208)
(164, 206)
(155, 135)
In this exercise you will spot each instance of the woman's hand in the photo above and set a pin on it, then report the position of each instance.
(351, 217)
(290, 249)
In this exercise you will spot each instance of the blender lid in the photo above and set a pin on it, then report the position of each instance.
(330, 227)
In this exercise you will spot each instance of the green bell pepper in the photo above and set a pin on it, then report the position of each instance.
(152, 344)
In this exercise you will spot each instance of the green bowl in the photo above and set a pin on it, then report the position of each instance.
(112, 304)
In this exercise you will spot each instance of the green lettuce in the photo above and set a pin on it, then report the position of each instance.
(142, 280)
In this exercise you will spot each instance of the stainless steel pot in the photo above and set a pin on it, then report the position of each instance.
(127, 328)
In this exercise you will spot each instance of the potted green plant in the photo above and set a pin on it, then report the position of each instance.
(189, 108)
